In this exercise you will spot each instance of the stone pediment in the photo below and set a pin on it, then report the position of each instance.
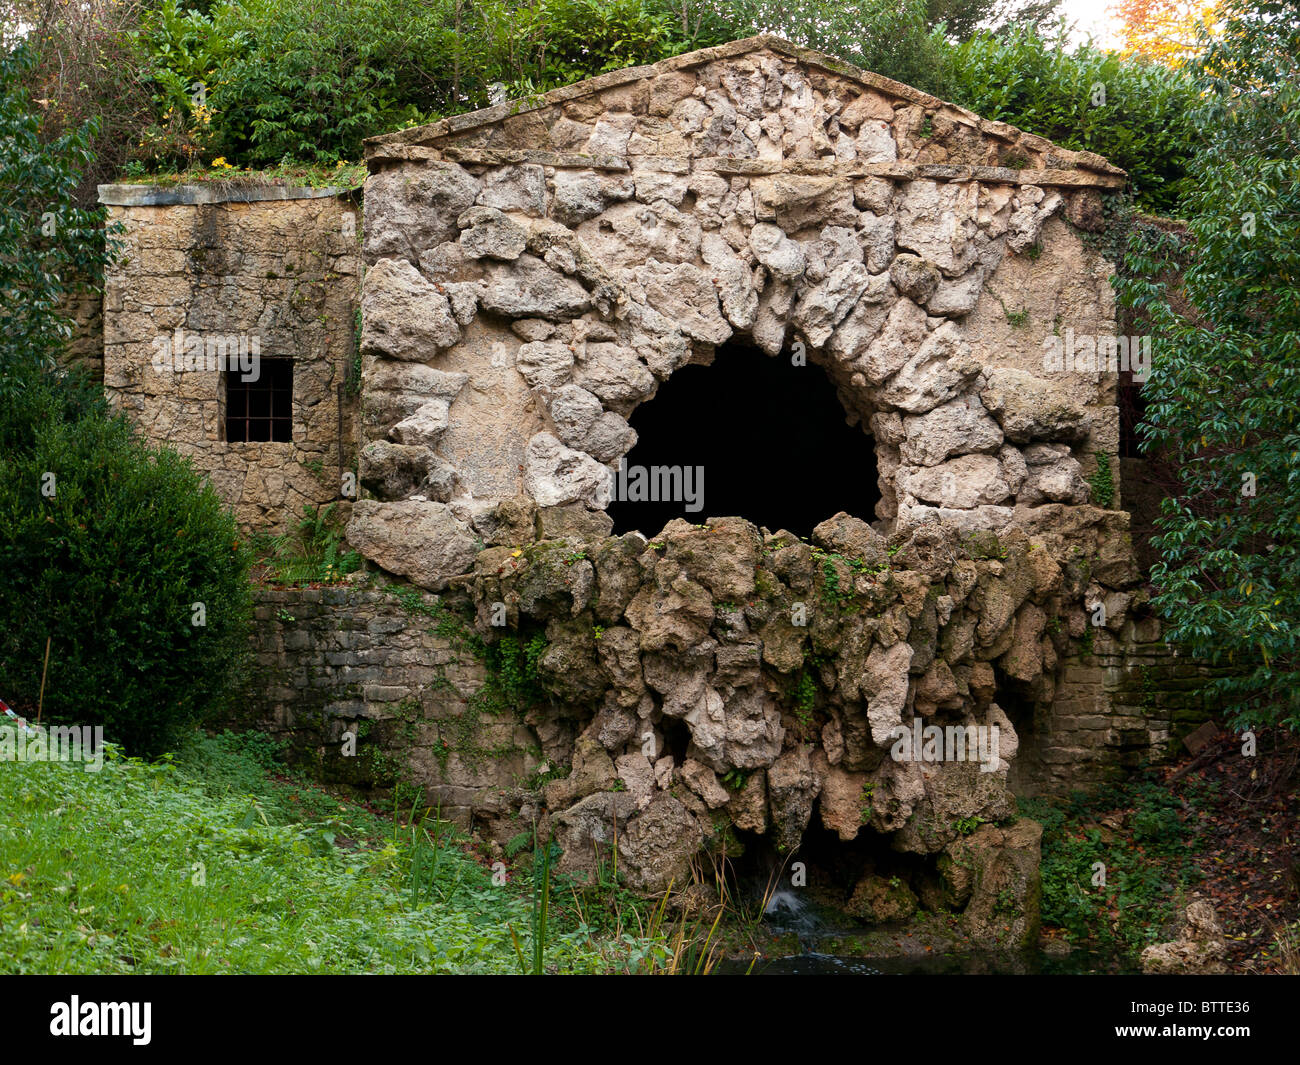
(721, 109)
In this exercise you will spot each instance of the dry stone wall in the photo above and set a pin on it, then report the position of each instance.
(236, 272)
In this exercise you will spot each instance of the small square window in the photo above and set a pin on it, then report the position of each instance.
(263, 409)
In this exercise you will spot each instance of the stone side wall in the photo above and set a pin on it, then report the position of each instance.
(330, 659)
(1128, 703)
(282, 272)
(397, 673)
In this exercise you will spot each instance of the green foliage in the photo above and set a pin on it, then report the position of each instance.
(132, 568)
(1036, 82)
(805, 696)
(734, 779)
(185, 56)
(1145, 879)
(524, 49)
(865, 801)
(890, 37)
(45, 239)
(964, 826)
(82, 68)
(102, 875)
(315, 553)
(512, 665)
(311, 78)
(1102, 482)
(112, 551)
(1223, 401)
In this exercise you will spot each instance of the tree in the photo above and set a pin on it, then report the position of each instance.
(45, 238)
(106, 545)
(1164, 30)
(82, 65)
(1224, 396)
(963, 19)
(889, 37)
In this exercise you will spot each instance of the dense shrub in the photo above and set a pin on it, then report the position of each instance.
(1134, 112)
(527, 48)
(890, 37)
(312, 78)
(107, 547)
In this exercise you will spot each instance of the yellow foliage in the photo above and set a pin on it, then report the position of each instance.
(1163, 30)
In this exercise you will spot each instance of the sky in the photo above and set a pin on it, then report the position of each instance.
(1091, 18)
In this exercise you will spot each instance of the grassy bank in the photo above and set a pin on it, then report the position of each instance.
(210, 862)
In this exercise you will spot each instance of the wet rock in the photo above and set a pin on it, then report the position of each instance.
(843, 800)
(999, 869)
(792, 788)
(882, 900)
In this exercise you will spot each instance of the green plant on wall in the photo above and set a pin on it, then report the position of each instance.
(865, 801)
(805, 696)
(1101, 482)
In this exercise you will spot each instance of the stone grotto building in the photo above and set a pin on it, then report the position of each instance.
(538, 276)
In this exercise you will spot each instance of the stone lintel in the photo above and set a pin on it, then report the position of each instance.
(173, 195)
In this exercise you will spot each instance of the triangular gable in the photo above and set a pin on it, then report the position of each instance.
(645, 117)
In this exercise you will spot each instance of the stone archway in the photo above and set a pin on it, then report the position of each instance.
(756, 436)
(535, 272)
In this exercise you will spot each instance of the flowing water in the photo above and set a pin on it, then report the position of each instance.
(790, 918)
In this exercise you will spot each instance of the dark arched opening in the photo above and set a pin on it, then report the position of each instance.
(769, 438)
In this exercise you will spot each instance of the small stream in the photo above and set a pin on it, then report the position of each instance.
(807, 940)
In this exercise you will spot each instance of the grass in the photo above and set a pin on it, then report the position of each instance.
(314, 553)
(207, 863)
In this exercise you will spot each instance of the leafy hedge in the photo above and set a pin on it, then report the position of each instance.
(1134, 112)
